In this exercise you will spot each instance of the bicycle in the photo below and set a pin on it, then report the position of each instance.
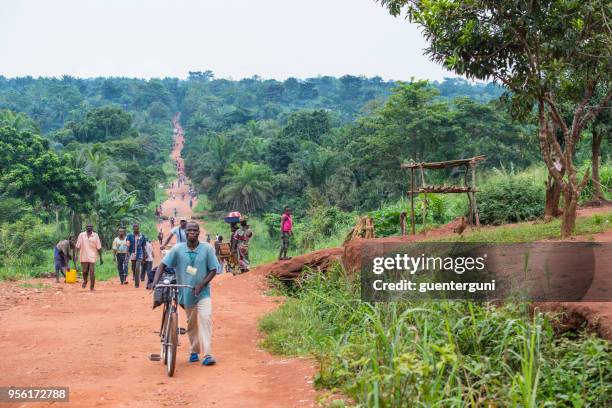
(169, 329)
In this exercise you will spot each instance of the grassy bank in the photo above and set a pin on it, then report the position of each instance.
(445, 354)
(528, 232)
(436, 354)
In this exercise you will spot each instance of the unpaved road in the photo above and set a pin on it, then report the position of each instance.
(98, 344)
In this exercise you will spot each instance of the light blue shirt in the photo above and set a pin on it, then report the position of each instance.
(180, 234)
(202, 258)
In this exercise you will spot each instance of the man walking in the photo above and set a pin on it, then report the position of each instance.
(286, 232)
(148, 259)
(62, 257)
(120, 253)
(179, 232)
(136, 249)
(196, 265)
(89, 246)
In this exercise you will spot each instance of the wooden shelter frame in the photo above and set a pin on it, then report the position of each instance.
(469, 187)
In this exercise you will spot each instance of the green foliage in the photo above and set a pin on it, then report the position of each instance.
(102, 124)
(439, 210)
(510, 199)
(22, 242)
(530, 232)
(273, 224)
(30, 170)
(247, 186)
(114, 208)
(422, 354)
(323, 224)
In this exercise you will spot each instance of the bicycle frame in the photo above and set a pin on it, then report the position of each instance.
(170, 308)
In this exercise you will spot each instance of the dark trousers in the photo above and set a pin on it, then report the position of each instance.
(89, 271)
(137, 272)
(284, 245)
(122, 267)
(148, 267)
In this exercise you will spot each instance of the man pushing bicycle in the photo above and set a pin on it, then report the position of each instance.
(196, 265)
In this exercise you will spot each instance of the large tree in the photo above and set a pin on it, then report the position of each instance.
(30, 170)
(541, 51)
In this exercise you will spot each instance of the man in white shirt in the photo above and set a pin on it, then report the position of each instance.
(178, 232)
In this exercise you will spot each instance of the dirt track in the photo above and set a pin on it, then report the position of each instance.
(98, 344)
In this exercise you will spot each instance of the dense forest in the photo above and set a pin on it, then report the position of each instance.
(328, 147)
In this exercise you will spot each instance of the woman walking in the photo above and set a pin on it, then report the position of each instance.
(242, 237)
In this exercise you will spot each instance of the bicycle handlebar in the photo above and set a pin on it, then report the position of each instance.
(170, 285)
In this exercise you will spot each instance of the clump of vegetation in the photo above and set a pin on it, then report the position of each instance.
(425, 353)
(511, 199)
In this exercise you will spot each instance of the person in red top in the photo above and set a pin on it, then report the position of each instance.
(286, 232)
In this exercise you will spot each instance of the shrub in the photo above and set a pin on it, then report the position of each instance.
(25, 239)
(386, 220)
(510, 199)
(273, 225)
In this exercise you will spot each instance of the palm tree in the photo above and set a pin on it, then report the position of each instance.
(113, 208)
(317, 166)
(247, 186)
(100, 166)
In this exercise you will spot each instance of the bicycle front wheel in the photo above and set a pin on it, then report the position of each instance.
(171, 343)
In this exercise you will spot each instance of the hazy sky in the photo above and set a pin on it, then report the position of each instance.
(233, 38)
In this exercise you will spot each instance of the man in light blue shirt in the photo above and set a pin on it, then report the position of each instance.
(179, 232)
(196, 265)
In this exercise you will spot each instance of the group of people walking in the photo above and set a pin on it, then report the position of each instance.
(135, 250)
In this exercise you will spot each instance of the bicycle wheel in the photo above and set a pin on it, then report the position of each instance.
(172, 342)
(163, 333)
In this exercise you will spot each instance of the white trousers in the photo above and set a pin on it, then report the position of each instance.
(199, 327)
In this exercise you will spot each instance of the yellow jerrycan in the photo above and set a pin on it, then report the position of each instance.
(71, 276)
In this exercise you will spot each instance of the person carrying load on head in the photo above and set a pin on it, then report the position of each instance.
(242, 237)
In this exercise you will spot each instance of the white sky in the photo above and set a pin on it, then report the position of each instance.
(233, 38)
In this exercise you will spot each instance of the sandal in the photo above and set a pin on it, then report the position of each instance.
(208, 360)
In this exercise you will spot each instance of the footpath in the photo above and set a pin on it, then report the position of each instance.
(98, 344)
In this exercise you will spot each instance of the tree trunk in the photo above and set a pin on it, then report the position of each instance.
(553, 196)
(570, 204)
(595, 148)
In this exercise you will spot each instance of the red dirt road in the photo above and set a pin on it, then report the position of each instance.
(98, 344)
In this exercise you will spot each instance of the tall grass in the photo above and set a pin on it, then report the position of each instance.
(435, 354)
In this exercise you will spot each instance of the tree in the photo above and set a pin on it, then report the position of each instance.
(99, 166)
(18, 121)
(102, 124)
(247, 186)
(113, 208)
(540, 51)
(30, 170)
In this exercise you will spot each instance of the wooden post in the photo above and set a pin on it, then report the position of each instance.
(412, 200)
(471, 207)
(473, 166)
(425, 201)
